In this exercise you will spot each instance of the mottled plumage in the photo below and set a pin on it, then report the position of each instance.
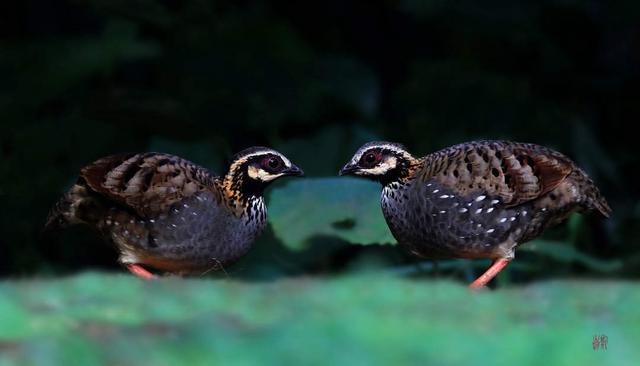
(475, 200)
(169, 214)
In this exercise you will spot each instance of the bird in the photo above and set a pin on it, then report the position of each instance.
(164, 212)
(479, 199)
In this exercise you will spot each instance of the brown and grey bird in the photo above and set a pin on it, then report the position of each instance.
(167, 213)
(478, 199)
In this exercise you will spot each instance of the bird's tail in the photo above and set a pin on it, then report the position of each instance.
(63, 213)
(57, 218)
(600, 203)
(592, 198)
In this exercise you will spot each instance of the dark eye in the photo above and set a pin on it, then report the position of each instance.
(369, 159)
(272, 163)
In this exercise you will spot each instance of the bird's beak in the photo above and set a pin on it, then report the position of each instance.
(294, 171)
(348, 169)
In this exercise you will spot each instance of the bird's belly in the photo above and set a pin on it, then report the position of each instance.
(201, 244)
(191, 237)
(436, 222)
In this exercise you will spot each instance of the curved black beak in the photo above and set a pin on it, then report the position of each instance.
(348, 169)
(294, 171)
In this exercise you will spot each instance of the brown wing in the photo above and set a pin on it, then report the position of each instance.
(148, 183)
(515, 172)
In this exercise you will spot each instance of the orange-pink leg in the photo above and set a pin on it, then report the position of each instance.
(139, 271)
(497, 266)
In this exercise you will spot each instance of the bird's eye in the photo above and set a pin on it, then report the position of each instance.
(272, 163)
(371, 158)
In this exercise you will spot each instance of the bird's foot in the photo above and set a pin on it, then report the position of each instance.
(139, 271)
(497, 266)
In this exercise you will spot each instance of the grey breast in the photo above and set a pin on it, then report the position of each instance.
(199, 229)
(437, 222)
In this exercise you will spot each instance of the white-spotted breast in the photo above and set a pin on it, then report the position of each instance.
(479, 199)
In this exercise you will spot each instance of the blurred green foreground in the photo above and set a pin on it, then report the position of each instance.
(373, 319)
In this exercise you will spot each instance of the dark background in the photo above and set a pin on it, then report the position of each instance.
(203, 79)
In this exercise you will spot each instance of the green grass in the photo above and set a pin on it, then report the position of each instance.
(94, 319)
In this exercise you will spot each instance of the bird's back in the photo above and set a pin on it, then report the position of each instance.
(468, 200)
(159, 210)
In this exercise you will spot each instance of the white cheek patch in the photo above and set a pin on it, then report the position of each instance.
(261, 174)
(380, 169)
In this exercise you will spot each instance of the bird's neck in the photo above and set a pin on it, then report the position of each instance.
(403, 173)
(240, 192)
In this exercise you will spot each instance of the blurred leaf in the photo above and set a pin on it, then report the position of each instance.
(348, 208)
(352, 320)
(563, 252)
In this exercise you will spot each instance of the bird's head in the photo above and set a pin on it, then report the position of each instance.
(382, 161)
(252, 169)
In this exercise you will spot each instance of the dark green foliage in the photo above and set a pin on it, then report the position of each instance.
(356, 320)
